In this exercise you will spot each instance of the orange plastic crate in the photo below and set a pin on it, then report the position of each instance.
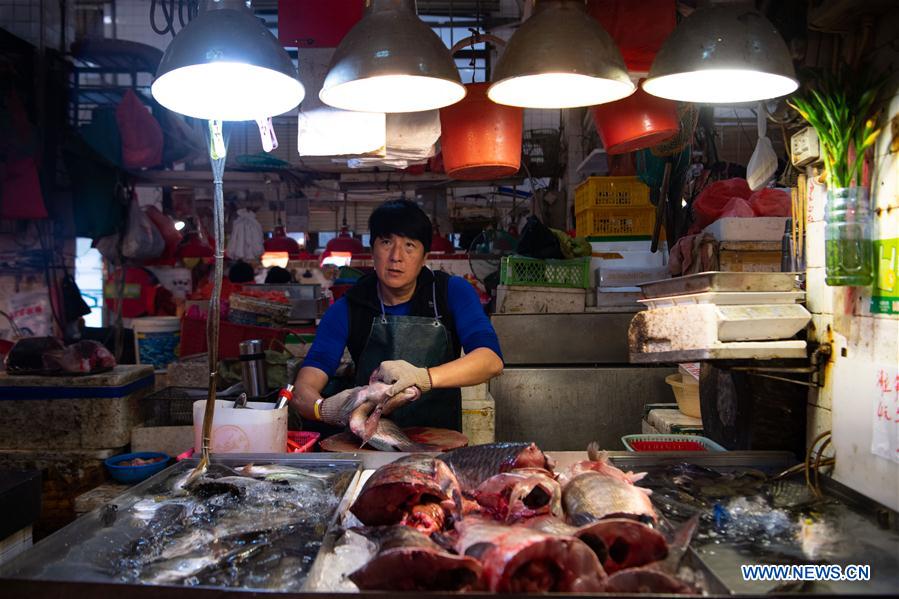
(610, 192)
(633, 221)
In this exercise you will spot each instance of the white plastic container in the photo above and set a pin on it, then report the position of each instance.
(479, 420)
(156, 339)
(259, 429)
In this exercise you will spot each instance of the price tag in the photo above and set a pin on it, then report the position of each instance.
(885, 438)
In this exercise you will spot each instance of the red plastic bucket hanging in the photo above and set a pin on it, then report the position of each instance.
(480, 139)
(636, 122)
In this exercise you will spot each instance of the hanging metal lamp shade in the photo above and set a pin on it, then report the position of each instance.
(391, 61)
(723, 54)
(226, 65)
(560, 58)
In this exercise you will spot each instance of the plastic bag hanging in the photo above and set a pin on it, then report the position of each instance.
(247, 239)
(763, 163)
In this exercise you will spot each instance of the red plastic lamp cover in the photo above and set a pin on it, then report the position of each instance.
(316, 24)
(639, 28)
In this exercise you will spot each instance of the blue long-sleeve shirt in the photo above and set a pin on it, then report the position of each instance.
(473, 328)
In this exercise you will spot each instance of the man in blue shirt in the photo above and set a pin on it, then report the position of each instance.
(407, 326)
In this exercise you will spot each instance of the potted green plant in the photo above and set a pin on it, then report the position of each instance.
(841, 108)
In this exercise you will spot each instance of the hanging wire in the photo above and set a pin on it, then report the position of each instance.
(185, 11)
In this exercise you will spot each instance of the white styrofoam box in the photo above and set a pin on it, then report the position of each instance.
(539, 300)
(761, 323)
(627, 259)
(703, 326)
(819, 297)
(759, 228)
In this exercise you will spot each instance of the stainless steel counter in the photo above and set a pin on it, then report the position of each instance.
(567, 408)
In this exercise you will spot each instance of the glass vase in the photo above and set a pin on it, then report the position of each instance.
(849, 254)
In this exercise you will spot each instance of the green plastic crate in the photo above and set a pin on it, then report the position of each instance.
(522, 271)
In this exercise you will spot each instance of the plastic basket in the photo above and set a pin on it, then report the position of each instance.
(613, 192)
(669, 443)
(171, 406)
(605, 222)
(301, 441)
(522, 271)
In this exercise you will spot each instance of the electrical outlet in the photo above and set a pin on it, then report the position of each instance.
(804, 147)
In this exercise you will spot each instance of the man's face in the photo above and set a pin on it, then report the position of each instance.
(398, 260)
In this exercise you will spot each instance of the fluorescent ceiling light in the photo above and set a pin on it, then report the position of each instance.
(391, 61)
(560, 58)
(225, 65)
(723, 54)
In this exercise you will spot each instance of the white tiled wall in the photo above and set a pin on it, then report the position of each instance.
(862, 342)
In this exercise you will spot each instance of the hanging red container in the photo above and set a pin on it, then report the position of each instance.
(636, 122)
(480, 139)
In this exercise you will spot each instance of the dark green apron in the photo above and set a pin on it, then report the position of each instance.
(422, 341)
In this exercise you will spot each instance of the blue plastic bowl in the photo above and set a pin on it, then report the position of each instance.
(135, 474)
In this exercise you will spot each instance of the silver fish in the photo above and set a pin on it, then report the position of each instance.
(390, 437)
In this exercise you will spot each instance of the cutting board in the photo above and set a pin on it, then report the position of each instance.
(442, 439)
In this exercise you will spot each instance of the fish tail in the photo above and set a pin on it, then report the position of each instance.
(594, 454)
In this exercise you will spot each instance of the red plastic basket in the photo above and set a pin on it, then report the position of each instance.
(301, 441)
(668, 446)
(193, 336)
(297, 442)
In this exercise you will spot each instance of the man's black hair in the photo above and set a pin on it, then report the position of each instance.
(241, 272)
(278, 276)
(400, 217)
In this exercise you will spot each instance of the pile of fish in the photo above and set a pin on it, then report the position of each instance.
(259, 526)
(499, 518)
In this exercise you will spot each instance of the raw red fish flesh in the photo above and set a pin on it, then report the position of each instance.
(519, 494)
(391, 493)
(408, 560)
(473, 465)
(645, 580)
(618, 543)
(82, 357)
(517, 559)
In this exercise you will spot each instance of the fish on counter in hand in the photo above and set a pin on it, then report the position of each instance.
(394, 490)
(408, 560)
(520, 494)
(474, 464)
(517, 559)
(364, 419)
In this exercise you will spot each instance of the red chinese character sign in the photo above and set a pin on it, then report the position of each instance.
(885, 438)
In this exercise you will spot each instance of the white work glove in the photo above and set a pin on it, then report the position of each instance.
(401, 375)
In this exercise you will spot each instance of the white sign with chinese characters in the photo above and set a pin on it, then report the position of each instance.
(885, 438)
